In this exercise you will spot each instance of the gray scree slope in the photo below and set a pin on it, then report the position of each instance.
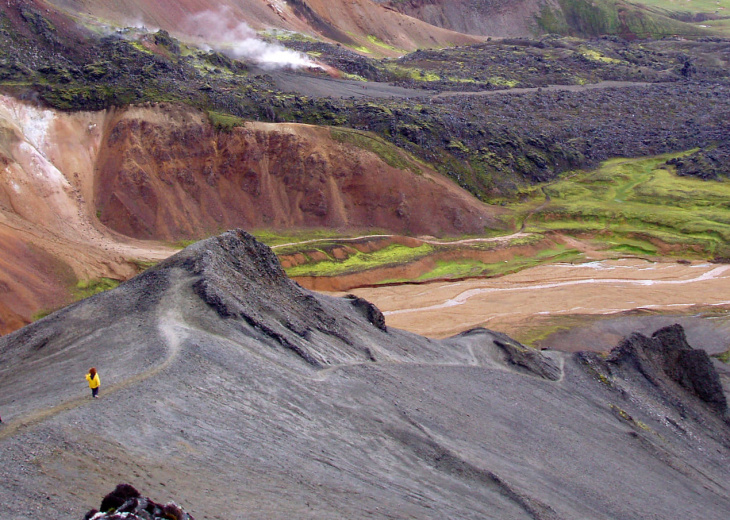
(233, 391)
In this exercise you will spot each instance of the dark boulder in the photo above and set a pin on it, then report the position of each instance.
(667, 356)
(117, 498)
(135, 507)
(370, 311)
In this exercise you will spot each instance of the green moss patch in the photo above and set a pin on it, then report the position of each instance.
(86, 288)
(142, 265)
(724, 357)
(376, 41)
(389, 153)
(636, 204)
(224, 122)
(394, 254)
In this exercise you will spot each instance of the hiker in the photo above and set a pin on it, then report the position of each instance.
(94, 382)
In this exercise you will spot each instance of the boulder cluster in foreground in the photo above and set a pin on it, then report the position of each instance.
(125, 502)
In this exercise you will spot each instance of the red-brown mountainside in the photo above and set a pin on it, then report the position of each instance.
(79, 188)
(49, 234)
(164, 173)
(352, 22)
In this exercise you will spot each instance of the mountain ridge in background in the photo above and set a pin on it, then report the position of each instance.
(581, 18)
(354, 23)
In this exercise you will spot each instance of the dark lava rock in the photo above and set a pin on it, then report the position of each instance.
(668, 356)
(133, 506)
(371, 312)
(711, 163)
(242, 280)
(514, 354)
(117, 498)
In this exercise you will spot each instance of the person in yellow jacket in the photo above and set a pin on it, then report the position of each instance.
(94, 382)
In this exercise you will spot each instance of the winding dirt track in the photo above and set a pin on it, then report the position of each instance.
(570, 88)
(515, 302)
(424, 240)
(321, 86)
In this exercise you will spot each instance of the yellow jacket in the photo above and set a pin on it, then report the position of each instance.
(93, 383)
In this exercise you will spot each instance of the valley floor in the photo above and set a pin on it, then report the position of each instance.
(541, 301)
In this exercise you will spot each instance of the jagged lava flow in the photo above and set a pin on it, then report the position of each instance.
(243, 395)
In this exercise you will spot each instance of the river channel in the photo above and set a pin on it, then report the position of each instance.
(586, 306)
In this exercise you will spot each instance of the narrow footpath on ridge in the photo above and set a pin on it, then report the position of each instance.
(171, 329)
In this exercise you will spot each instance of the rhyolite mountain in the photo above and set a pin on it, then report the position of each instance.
(231, 390)
(349, 22)
(404, 24)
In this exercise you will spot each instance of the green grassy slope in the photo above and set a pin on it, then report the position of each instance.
(586, 18)
(637, 206)
(690, 7)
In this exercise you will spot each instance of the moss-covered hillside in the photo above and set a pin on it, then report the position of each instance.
(588, 18)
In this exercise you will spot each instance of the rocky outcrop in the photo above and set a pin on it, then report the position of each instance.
(242, 280)
(370, 311)
(711, 163)
(666, 360)
(508, 352)
(125, 502)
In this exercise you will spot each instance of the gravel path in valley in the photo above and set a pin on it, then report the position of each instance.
(320, 86)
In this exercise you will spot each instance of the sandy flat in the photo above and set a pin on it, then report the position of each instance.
(514, 301)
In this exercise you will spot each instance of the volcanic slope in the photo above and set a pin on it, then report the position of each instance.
(50, 236)
(507, 18)
(229, 388)
(357, 23)
(164, 172)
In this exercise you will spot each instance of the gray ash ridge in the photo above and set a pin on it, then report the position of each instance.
(234, 391)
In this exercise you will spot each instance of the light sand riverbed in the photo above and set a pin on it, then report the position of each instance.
(523, 300)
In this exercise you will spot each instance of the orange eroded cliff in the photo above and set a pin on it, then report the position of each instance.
(90, 195)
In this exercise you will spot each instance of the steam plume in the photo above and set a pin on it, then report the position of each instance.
(221, 32)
